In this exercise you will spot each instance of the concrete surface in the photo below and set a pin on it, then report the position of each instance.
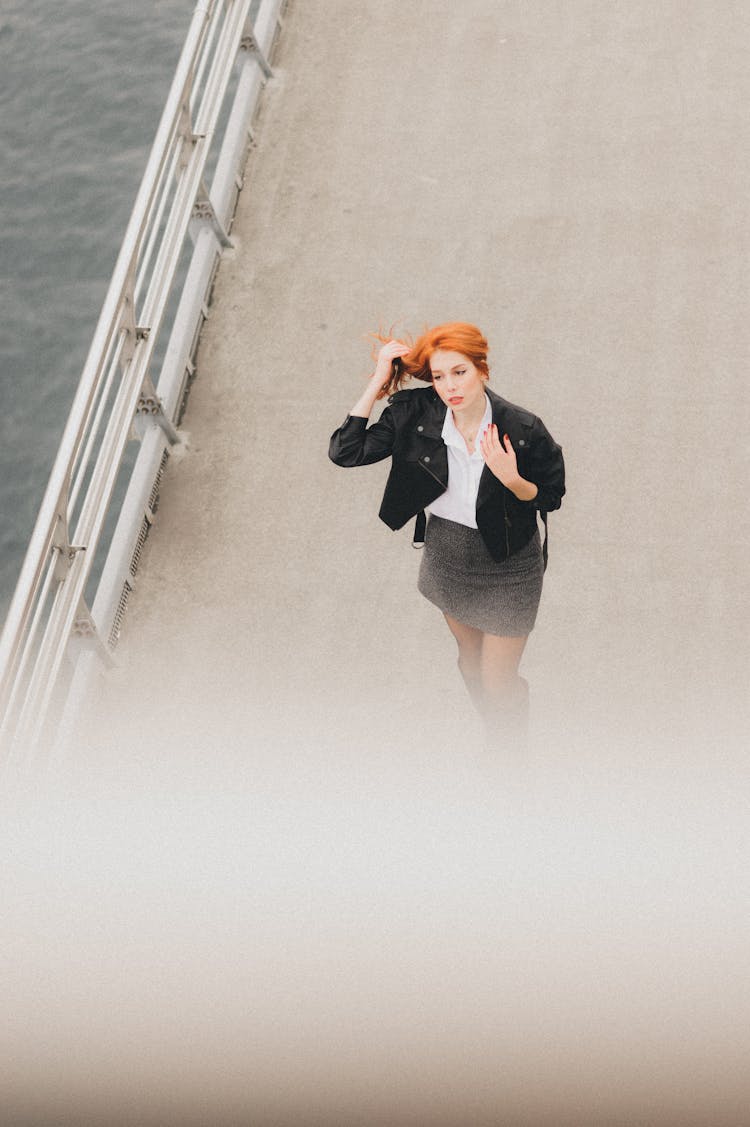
(572, 177)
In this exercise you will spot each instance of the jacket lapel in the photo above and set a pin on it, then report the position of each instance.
(430, 433)
(433, 418)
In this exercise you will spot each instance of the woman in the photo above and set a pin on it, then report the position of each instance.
(482, 468)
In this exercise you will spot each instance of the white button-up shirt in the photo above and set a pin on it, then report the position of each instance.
(459, 502)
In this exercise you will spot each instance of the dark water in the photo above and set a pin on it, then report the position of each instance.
(82, 87)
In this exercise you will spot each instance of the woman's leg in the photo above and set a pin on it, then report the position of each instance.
(469, 641)
(489, 666)
(505, 694)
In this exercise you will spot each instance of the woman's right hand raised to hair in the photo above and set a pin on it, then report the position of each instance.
(390, 351)
(377, 382)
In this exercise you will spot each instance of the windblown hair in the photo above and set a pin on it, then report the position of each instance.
(455, 336)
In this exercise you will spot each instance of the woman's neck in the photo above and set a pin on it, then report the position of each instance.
(468, 421)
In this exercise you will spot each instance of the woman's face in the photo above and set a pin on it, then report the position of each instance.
(458, 382)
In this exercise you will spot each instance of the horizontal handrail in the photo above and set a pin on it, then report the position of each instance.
(49, 622)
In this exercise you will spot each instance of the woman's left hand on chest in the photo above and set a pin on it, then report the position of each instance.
(499, 455)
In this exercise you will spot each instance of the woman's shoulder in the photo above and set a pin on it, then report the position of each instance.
(413, 396)
(528, 418)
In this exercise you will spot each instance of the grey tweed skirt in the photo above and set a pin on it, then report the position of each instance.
(458, 575)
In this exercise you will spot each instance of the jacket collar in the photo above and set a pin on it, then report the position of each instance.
(433, 417)
(499, 406)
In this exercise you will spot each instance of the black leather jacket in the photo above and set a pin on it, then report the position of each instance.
(409, 430)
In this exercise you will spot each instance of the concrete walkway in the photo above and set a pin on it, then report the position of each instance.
(574, 178)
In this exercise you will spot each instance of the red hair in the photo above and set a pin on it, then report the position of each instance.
(455, 336)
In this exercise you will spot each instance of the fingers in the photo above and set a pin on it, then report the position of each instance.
(492, 437)
(390, 351)
(505, 441)
(488, 441)
(491, 444)
(394, 348)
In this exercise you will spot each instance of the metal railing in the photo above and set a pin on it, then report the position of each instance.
(68, 605)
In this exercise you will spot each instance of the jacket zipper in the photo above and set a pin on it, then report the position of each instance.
(433, 475)
(506, 522)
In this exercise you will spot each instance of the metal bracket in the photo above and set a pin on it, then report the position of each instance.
(85, 633)
(66, 554)
(127, 322)
(188, 134)
(65, 551)
(250, 44)
(204, 212)
(134, 333)
(150, 406)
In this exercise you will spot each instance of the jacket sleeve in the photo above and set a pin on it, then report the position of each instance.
(356, 444)
(546, 469)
